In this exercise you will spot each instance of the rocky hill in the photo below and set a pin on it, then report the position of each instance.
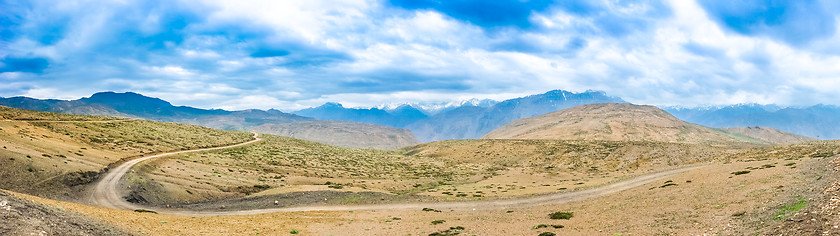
(612, 122)
(770, 135)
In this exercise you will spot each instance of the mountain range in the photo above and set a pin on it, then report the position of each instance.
(818, 121)
(465, 120)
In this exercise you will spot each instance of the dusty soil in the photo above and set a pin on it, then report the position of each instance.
(294, 199)
(24, 217)
(706, 200)
(822, 216)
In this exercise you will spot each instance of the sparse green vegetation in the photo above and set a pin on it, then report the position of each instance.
(287, 156)
(561, 215)
(547, 234)
(454, 230)
(144, 211)
(791, 208)
(294, 231)
(437, 222)
(97, 144)
(8, 113)
(430, 209)
(540, 226)
(741, 172)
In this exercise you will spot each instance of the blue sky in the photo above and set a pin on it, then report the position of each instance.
(295, 54)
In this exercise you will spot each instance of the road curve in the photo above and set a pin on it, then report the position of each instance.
(555, 198)
(105, 193)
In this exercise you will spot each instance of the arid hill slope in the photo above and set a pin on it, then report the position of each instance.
(613, 122)
(343, 133)
(24, 217)
(55, 155)
(770, 135)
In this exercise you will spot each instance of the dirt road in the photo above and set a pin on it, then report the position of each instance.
(555, 198)
(106, 194)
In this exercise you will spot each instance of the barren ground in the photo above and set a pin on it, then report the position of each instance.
(715, 201)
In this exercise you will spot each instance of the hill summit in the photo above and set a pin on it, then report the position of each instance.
(612, 122)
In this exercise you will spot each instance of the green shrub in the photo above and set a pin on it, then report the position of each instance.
(741, 172)
(294, 231)
(561, 215)
(144, 211)
(547, 234)
(430, 209)
(437, 222)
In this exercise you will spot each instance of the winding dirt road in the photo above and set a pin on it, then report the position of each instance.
(106, 194)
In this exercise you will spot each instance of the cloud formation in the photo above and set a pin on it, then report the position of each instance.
(296, 54)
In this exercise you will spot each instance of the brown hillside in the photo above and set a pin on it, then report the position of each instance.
(612, 122)
(770, 135)
(343, 133)
(57, 155)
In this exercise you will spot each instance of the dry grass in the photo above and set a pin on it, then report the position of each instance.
(48, 158)
(8, 113)
(285, 165)
(448, 170)
(708, 204)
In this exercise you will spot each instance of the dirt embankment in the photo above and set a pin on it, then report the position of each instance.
(24, 217)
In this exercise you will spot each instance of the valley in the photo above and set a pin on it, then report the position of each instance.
(419, 118)
(181, 171)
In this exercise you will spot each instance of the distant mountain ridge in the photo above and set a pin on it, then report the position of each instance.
(398, 117)
(343, 133)
(468, 119)
(61, 106)
(434, 108)
(471, 119)
(134, 105)
(818, 121)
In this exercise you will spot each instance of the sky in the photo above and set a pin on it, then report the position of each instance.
(290, 55)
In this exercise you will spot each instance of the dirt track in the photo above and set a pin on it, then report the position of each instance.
(105, 194)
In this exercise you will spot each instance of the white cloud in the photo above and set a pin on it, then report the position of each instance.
(365, 53)
(176, 71)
